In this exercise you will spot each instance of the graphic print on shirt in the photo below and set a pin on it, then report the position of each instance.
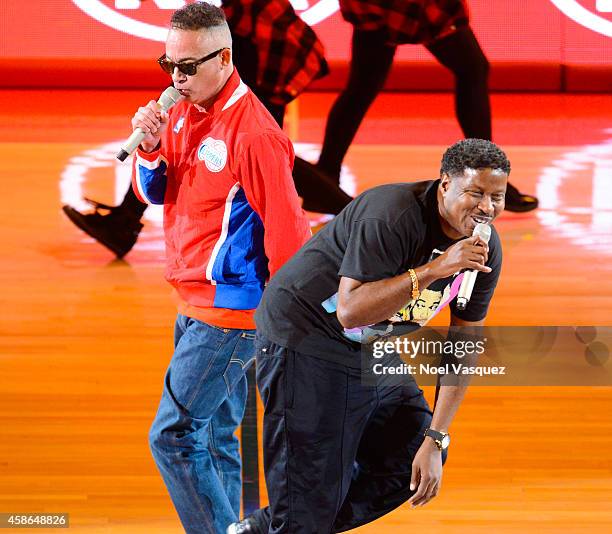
(417, 313)
(213, 152)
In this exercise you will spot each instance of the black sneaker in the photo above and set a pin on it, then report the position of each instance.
(518, 202)
(321, 194)
(115, 230)
(246, 526)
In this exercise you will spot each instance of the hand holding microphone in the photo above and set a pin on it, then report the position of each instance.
(470, 253)
(482, 232)
(149, 123)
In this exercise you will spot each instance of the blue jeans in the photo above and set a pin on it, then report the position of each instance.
(192, 437)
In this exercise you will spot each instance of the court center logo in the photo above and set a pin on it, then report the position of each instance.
(148, 19)
(575, 195)
(594, 20)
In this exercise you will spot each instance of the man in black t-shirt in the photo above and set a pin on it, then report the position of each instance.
(338, 452)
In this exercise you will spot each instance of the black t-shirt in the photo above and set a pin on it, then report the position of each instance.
(381, 234)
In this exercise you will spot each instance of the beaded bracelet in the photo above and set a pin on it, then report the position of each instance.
(415, 284)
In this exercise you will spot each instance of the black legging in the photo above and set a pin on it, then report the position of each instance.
(246, 59)
(371, 60)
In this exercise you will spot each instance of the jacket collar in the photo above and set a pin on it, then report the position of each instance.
(231, 92)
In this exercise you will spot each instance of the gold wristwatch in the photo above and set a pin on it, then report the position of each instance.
(441, 439)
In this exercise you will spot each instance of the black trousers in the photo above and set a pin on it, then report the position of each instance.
(371, 61)
(337, 454)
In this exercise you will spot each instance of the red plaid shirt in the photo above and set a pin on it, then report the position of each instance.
(407, 21)
(289, 52)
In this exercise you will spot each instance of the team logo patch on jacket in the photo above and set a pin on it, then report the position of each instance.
(213, 153)
(179, 125)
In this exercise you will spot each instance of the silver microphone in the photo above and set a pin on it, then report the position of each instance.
(469, 277)
(167, 99)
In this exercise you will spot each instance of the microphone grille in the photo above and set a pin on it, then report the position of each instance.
(483, 231)
(168, 98)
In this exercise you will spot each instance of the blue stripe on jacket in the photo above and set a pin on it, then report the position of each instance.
(241, 266)
(152, 182)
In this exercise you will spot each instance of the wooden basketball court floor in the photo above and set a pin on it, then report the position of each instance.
(85, 340)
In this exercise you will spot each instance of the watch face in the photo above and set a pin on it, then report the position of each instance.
(445, 441)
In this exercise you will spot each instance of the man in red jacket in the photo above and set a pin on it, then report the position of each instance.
(221, 167)
(278, 55)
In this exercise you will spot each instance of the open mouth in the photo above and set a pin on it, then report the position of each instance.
(480, 219)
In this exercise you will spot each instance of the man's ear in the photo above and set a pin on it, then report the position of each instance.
(226, 56)
(445, 182)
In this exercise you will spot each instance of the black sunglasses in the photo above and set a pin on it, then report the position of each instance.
(189, 68)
